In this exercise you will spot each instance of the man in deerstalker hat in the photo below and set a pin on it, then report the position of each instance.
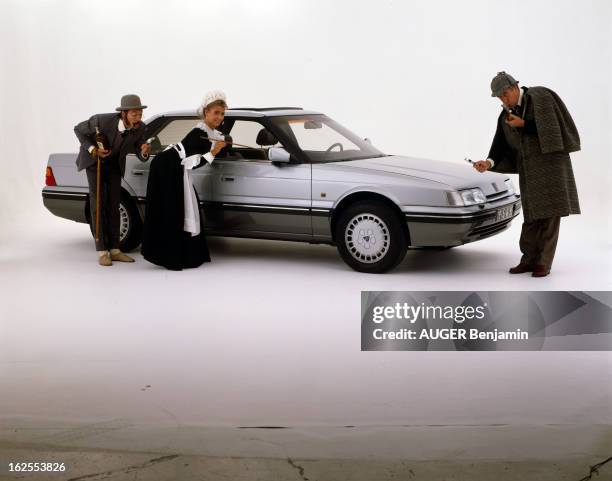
(534, 137)
(124, 132)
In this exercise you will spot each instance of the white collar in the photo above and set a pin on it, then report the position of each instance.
(121, 126)
(207, 129)
(520, 100)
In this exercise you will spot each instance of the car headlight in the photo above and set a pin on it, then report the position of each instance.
(509, 186)
(473, 196)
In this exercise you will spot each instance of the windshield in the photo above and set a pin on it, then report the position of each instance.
(324, 140)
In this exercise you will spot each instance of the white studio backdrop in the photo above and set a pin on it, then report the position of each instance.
(412, 76)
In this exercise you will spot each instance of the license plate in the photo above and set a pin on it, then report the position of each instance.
(504, 213)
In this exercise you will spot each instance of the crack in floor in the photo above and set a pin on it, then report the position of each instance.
(595, 469)
(128, 469)
(298, 467)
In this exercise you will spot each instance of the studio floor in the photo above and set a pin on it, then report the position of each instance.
(256, 357)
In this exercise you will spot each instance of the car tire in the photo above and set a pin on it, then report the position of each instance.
(370, 237)
(130, 224)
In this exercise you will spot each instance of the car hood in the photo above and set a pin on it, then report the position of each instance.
(450, 173)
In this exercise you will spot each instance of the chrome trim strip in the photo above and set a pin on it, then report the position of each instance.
(59, 194)
(271, 207)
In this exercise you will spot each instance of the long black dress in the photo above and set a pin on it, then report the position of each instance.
(164, 241)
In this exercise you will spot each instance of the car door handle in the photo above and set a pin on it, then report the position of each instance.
(138, 171)
(227, 179)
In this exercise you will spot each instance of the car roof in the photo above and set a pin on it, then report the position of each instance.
(242, 112)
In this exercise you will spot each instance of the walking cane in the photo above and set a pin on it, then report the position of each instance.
(98, 200)
(101, 144)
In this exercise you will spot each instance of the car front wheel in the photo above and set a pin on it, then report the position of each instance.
(370, 237)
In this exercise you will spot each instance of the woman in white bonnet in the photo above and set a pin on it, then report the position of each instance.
(172, 232)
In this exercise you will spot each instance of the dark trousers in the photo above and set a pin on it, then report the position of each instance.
(110, 194)
(539, 241)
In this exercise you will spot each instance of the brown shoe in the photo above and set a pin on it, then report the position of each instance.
(540, 271)
(105, 260)
(521, 268)
(121, 257)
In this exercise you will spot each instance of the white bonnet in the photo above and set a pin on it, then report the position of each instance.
(209, 98)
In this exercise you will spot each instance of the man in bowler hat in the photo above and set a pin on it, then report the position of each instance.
(534, 137)
(125, 133)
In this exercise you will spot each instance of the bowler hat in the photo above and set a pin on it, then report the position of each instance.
(501, 82)
(130, 102)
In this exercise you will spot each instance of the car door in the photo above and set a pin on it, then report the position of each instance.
(255, 197)
(166, 131)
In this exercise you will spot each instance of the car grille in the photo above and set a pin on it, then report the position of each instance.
(498, 196)
(491, 229)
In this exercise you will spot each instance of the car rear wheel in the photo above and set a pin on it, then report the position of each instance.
(130, 225)
(370, 237)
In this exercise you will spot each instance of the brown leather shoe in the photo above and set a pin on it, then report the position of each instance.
(105, 260)
(521, 268)
(121, 257)
(540, 270)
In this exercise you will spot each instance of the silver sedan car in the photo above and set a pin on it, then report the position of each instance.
(298, 175)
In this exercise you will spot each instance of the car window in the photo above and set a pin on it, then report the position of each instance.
(324, 140)
(173, 132)
(245, 133)
(317, 136)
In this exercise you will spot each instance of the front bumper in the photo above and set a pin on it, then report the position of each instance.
(451, 227)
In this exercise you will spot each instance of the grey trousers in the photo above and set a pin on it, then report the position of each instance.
(109, 203)
(539, 241)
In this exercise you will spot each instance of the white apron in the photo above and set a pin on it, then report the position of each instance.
(191, 222)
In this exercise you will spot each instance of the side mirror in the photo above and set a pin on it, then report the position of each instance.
(278, 154)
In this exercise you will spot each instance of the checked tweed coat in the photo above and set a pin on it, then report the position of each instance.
(539, 153)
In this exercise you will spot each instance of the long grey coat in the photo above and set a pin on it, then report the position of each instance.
(539, 153)
(86, 131)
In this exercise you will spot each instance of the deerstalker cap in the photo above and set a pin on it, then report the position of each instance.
(501, 82)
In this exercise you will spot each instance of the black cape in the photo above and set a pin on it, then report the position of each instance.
(540, 154)
(164, 241)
